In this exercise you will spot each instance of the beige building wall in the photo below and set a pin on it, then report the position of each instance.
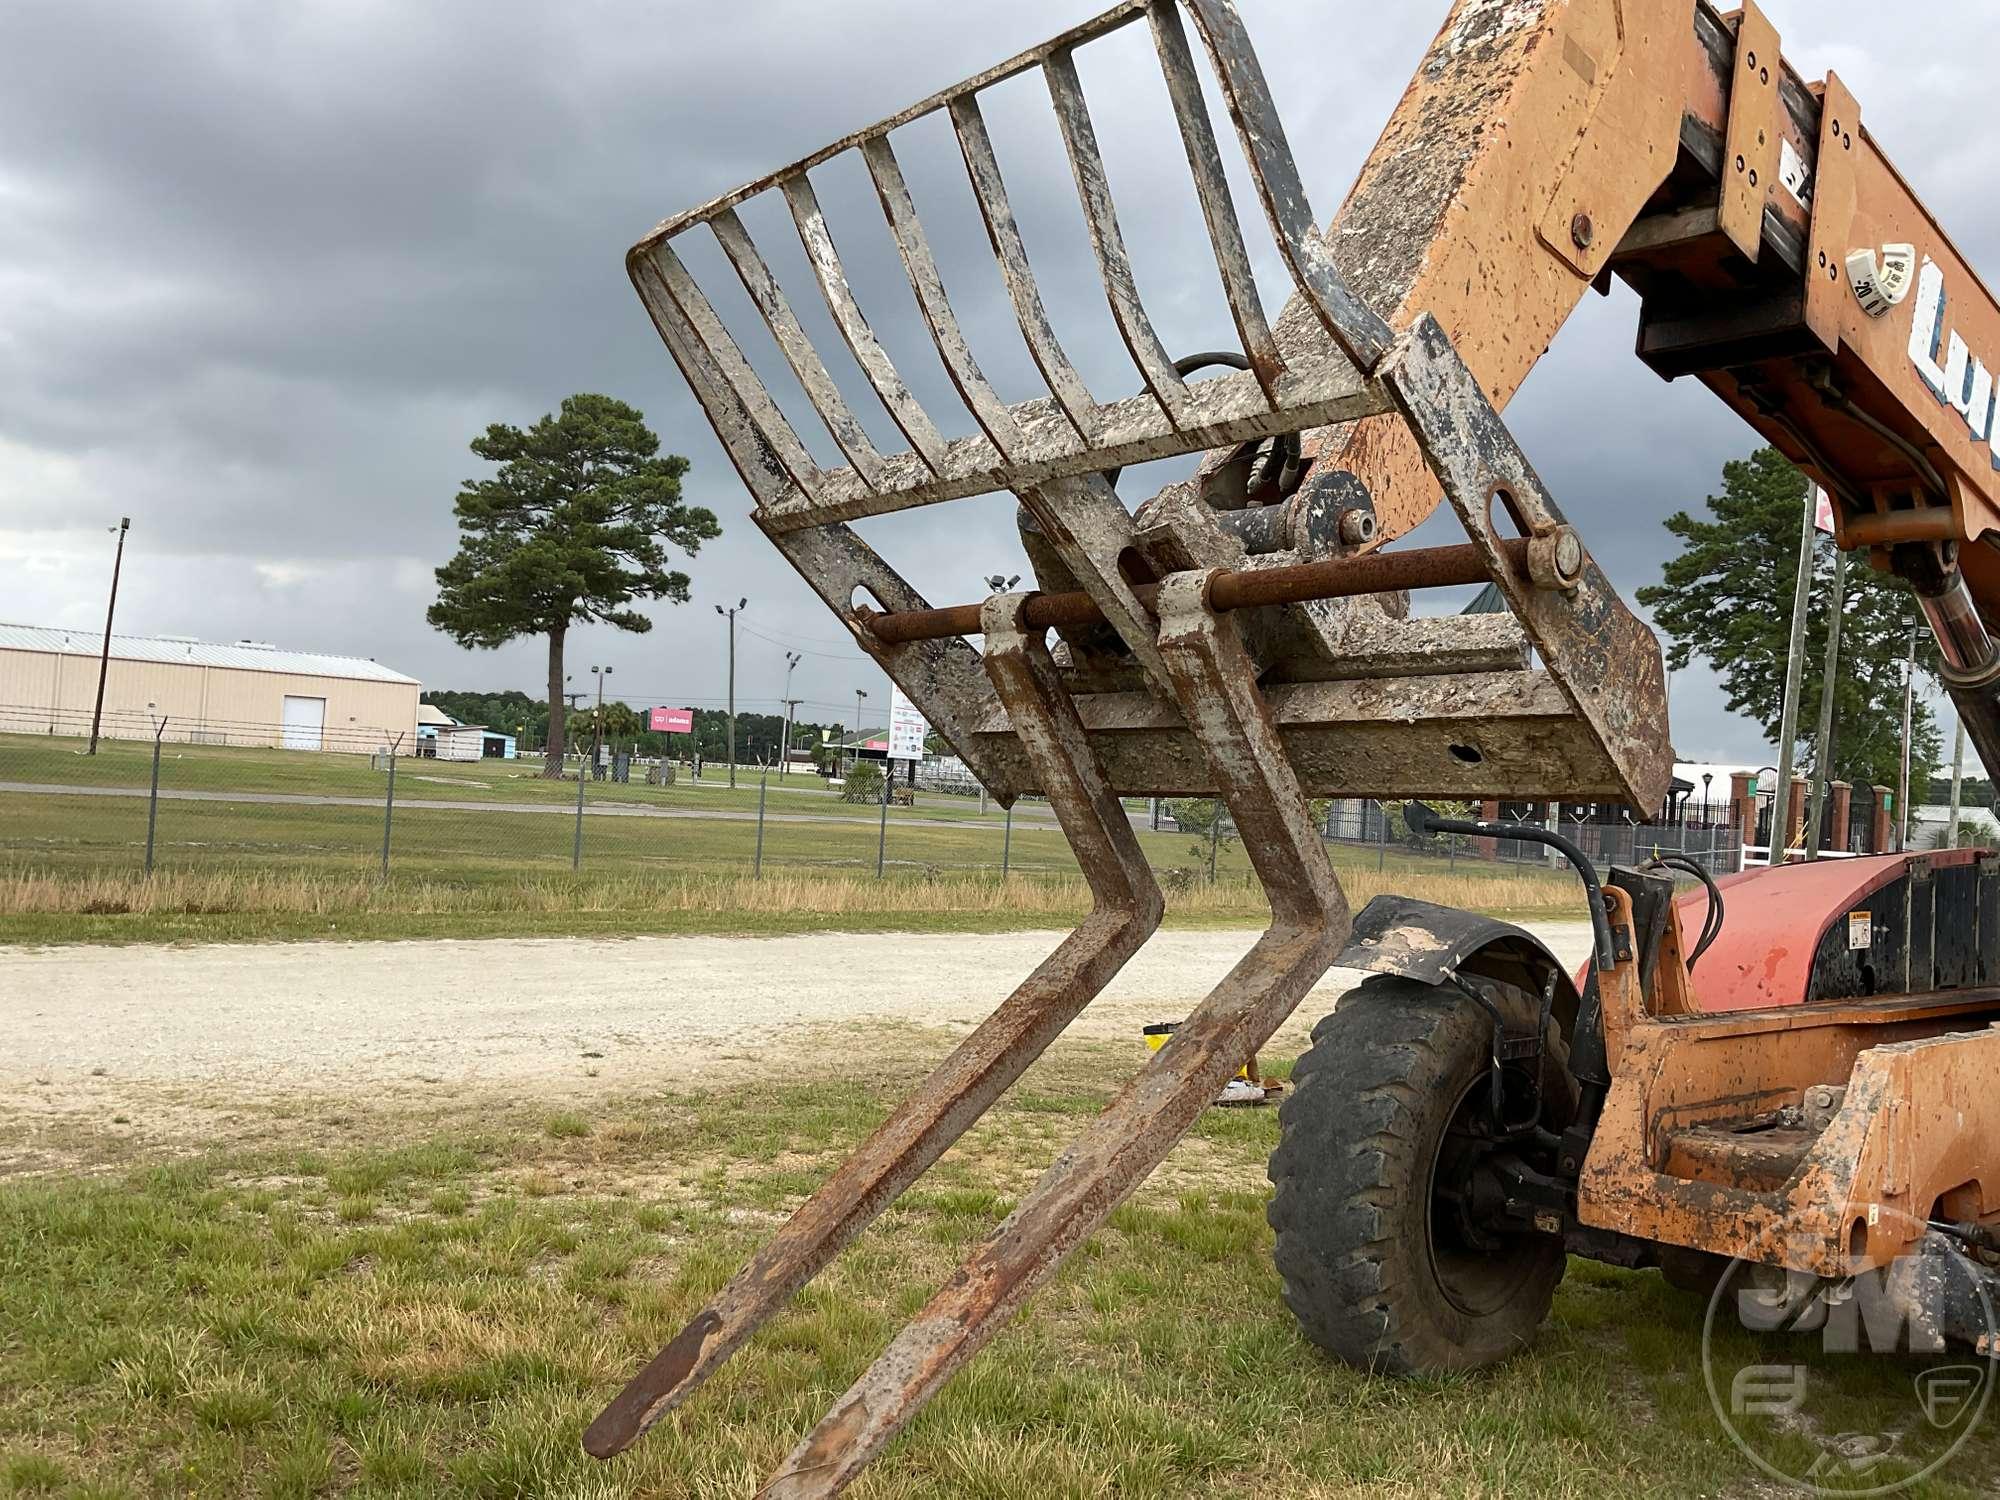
(46, 692)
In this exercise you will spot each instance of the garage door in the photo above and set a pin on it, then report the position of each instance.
(305, 722)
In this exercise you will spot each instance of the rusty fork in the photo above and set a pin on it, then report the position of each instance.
(1126, 911)
(1214, 680)
(1591, 716)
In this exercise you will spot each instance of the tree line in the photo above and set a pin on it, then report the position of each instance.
(759, 737)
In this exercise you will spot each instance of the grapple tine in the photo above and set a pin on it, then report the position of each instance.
(1126, 912)
(1213, 677)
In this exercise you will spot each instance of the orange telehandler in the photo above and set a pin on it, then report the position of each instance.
(1804, 1086)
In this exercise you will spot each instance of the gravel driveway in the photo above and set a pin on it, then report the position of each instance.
(533, 1012)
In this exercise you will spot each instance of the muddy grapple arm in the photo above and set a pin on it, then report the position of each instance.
(1250, 643)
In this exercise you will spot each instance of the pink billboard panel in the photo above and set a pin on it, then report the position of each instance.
(671, 721)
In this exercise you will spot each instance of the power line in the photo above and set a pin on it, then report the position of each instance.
(820, 640)
(772, 640)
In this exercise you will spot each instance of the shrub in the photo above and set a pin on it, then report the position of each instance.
(863, 784)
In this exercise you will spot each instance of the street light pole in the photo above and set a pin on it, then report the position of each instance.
(859, 694)
(1823, 746)
(597, 727)
(731, 614)
(111, 609)
(792, 659)
(1788, 718)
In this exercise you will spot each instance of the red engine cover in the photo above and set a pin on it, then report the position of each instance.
(1774, 921)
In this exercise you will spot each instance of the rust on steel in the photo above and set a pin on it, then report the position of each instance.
(1243, 588)
(1415, 319)
(1126, 910)
(1854, 1194)
(1213, 679)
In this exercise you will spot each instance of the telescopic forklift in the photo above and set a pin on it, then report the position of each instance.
(1790, 1068)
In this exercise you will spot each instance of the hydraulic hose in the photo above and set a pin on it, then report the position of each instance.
(1711, 924)
(1421, 820)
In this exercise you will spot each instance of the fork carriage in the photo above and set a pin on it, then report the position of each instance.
(1240, 635)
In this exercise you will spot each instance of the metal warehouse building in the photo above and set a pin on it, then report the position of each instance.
(245, 694)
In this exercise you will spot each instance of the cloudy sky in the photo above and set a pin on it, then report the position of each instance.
(265, 271)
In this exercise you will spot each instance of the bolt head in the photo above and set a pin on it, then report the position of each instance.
(1357, 528)
(1582, 231)
(1569, 554)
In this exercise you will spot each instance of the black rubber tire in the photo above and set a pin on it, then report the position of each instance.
(1359, 1137)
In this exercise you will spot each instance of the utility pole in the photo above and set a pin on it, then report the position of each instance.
(792, 660)
(1823, 748)
(597, 728)
(1788, 718)
(571, 702)
(1957, 786)
(859, 694)
(1903, 776)
(731, 614)
(104, 658)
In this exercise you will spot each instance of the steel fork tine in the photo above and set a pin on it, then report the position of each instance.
(1127, 911)
(1213, 677)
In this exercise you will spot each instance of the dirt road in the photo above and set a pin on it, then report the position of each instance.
(605, 1015)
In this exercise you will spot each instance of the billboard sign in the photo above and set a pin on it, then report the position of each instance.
(907, 728)
(671, 721)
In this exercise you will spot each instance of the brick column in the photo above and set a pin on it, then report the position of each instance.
(1744, 801)
(1840, 795)
(1488, 849)
(1885, 822)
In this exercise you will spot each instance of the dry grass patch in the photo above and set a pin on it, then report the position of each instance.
(248, 903)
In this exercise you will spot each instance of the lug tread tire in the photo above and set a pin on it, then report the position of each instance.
(1358, 1135)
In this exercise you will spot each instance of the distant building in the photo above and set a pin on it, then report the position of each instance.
(248, 693)
(1977, 826)
(441, 737)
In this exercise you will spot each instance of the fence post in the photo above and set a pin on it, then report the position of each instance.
(1007, 840)
(1382, 850)
(576, 848)
(153, 797)
(757, 867)
(882, 837)
(389, 807)
(1214, 834)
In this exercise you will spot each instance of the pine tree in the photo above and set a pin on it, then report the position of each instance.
(573, 527)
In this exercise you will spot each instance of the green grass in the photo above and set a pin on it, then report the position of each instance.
(227, 869)
(97, 832)
(59, 761)
(214, 1322)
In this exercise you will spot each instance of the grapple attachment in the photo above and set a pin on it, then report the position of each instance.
(1256, 652)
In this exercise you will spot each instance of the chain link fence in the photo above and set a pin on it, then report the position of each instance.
(146, 800)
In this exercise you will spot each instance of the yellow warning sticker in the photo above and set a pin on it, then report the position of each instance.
(1860, 931)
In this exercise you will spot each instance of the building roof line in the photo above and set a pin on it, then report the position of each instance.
(186, 651)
